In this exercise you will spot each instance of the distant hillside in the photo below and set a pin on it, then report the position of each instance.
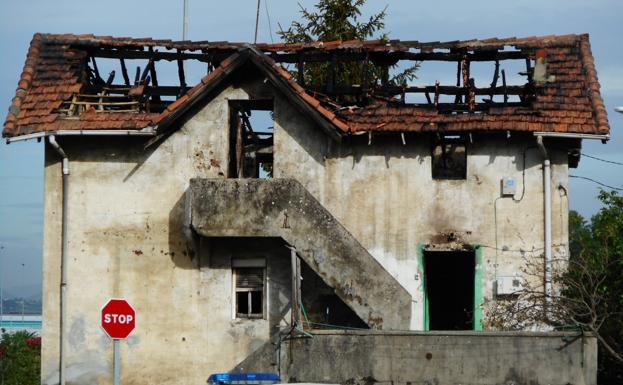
(16, 306)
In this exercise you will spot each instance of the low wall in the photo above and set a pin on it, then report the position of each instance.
(435, 358)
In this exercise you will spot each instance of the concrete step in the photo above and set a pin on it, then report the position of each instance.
(284, 208)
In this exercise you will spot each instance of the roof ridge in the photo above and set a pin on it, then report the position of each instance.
(327, 44)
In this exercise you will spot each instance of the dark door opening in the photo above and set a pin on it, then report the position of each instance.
(449, 279)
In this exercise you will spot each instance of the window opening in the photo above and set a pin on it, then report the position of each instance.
(450, 289)
(249, 289)
(251, 138)
(449, 158)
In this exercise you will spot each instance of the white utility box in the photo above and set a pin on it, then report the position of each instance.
(508, 285)
(508, 186)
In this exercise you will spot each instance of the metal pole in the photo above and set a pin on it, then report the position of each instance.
(257, 21)
(23, 270)
(64, 257)
(185, 29)
(1, 283)
(116, 362)
(296, 295)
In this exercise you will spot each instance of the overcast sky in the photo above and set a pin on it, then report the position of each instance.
(21, 164)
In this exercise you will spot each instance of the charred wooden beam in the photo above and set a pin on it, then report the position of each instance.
(428, 98)
(393, 57)
(385, 76)
(246, 121)
(301, 70)
(137, 75)
(111, 77)
(504, 88)
(156, 55)
(494, 82)
(143, 79)
(154, 77)
(471, 95)
(437, 93)
(332, 73)
(124, 72)
(252, 104)
(529, 70)
(443, 90)
(96, 72)
(366, 72)
(122, 90)
(465, 70)
(457, 99)
(239, 147)
(181, 75)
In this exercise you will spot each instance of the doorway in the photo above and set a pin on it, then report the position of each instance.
(450, 281)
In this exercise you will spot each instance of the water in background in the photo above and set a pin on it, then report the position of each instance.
(13, 323)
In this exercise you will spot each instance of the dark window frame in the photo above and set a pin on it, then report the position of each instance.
(449, 158)
(249, 290)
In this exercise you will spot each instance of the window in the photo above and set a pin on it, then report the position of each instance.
(449, 158)
(251, 138)
(249, 288)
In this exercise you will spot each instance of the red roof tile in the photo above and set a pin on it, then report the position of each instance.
(52, 74)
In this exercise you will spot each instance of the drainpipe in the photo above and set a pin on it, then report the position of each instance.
(64, 250)
(547, 213)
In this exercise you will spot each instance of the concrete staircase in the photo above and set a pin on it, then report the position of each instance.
(284, 208)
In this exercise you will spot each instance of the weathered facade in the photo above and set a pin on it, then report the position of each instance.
(390, 207)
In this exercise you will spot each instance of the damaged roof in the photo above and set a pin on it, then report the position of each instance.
(61, 88)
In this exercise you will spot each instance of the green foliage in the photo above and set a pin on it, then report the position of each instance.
(20, 359)
(594, 281)
(341, 20)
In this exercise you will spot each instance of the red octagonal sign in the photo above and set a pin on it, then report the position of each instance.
(118, 318)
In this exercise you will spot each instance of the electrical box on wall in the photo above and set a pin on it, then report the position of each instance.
(508, 186)
(508, 285)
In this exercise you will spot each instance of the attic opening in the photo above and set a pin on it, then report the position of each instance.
(134, 80)
(251, 138)
(449, 157)
(449, 278)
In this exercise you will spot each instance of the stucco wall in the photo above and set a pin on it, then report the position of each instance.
(127, 236)
(403, 358)
(127, 239)
(384, 194)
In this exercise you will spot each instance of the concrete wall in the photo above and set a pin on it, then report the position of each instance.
(399, 358)
(127, 237)
(385, 196)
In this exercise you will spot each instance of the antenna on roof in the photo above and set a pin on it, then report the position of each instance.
(185, 29)
(257, 21)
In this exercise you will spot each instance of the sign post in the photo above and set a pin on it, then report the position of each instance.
(118, 321)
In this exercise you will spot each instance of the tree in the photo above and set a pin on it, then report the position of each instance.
(20, 359)
(340, 20)
(589, 287)
(593, 285)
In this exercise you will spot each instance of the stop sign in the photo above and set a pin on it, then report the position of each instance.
(118, 318)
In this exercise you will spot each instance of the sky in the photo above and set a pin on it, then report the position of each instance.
(21, 164)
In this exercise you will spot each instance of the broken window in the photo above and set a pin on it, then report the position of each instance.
(449, 278)
(449, 158)
(249, 291)
(249, 278)
(251, 138)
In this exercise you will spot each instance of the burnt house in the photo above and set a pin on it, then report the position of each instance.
(257, 218)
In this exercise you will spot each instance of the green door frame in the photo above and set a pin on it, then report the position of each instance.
(478, 282)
